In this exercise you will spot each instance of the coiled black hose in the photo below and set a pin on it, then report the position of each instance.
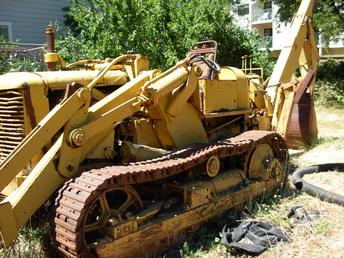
(315, 190)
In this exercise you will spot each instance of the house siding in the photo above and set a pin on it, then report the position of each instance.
(29, 18)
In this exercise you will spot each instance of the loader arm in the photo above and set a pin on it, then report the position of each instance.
(84, 127)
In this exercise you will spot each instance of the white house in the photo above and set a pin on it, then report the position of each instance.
(263, 17)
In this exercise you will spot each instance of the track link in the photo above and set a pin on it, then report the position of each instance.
(79, 192)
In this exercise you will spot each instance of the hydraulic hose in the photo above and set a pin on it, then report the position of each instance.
(316, 191)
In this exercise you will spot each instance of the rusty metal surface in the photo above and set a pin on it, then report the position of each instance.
(306, 82)
(30, 111)
(12, 130)
(302, 124)
(204, 47)
(301, 129)
(50, 36)
(78, 194)
(208, 50)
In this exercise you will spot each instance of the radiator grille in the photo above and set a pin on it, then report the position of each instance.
(11, 121)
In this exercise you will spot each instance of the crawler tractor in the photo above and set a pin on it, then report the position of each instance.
(136, 158)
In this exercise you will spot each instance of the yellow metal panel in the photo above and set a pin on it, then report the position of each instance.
(224, 95)
(40, 184)
(59, 79)
(264, 123)
(144, 133)
(219, 96)
(285, 113)
(229, 73)
(40, 102)
(159, 126)
(228, 92)
(8, 225)
(243, 98)
(258, 99)
(186, 127)
(104, 150)
(121, 95)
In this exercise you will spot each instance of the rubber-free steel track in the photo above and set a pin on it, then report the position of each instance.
(78, 193)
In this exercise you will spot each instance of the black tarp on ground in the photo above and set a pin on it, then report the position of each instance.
(253, 237)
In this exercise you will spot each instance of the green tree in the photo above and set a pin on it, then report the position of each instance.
(328, 15)
(161, 29)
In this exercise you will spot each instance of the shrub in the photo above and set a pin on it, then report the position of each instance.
(329, 90)
(14, 59)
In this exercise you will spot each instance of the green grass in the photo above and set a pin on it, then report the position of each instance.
(339, 141)
(34, 239)
(323, 228)
(32, 242)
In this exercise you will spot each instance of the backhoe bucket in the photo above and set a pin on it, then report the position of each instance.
(302, 126)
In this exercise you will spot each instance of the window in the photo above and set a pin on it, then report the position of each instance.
(268, 32)
(243, 9)
(6, 30)
(268, 37)
(267, 5)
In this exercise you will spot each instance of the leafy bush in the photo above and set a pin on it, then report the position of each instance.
(331, 71)
(14, 59)
(161, 30)
(329, 90)
(330, 93)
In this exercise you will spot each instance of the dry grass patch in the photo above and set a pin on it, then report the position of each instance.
(323, 239)
(324, 150)
(330, 122)
(326, 237)
(330, 181)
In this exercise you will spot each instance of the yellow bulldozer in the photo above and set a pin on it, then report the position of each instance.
(136, 158)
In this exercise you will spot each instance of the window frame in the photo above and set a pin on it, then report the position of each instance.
(9, 26)
(244, 6)
(265, 5)
(267, 29)
(268, 37)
